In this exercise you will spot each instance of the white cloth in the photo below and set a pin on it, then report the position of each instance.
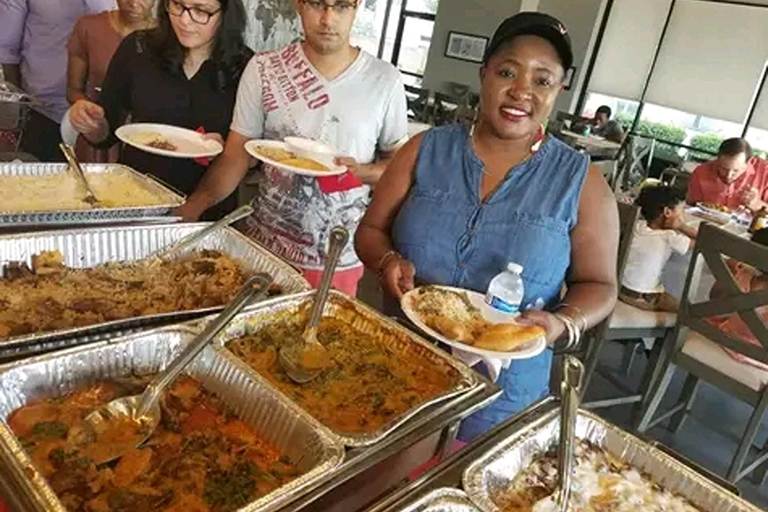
(359, 112)
(649, 252)
(493, 365)
(68, 133)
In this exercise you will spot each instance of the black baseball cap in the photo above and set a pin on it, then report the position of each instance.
(536, 24)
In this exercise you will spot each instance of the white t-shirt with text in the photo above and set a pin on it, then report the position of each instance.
(648, 253)
(360, 112)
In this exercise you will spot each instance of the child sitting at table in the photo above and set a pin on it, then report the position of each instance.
(661, 230)
(748, 280)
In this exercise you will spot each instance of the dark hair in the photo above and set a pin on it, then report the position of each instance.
(653, 199)
(760, 236)
(735, 147)
(230, 54)
(604, 109)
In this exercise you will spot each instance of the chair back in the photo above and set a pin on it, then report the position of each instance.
(635, 157)
(418, 103)
(444, 110)
(718, 250)
(628, 214)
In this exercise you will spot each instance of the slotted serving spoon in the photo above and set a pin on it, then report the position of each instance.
(306, 358)
(142, 412)
(69, 154)
(570, 390)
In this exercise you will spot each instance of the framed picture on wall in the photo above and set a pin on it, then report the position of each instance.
(466, 47)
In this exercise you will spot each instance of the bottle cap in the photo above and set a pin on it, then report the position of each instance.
(515, 267)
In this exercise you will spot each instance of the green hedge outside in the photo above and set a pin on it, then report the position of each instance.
(666, 132)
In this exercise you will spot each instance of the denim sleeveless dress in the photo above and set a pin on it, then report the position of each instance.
(454, 239)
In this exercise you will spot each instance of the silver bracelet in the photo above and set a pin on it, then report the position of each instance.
(574, 333)
(581, 314)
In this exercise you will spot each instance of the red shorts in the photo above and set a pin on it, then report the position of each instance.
(344, 280)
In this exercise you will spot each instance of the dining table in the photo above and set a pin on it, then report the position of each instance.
(593, 145)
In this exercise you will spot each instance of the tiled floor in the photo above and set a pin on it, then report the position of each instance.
(710, 435)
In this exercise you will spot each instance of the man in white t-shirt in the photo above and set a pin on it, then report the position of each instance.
(323, 89)
(661, 231)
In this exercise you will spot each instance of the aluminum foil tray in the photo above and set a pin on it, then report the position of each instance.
(284, 425)
(442, 500)
(399, 339)
(90, 247)
(168, 198)
(492, 474)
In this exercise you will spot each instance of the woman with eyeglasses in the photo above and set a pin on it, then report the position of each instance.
(183, 73)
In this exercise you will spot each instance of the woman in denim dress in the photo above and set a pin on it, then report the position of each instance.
(458, 203)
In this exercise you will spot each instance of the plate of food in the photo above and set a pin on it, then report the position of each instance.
(166, 140)
(279, 154)
(712, 212)
(462, 319)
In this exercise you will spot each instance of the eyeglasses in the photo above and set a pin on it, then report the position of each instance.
(196, 14)
(337, 8)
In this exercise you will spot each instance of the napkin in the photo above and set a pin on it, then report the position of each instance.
(339, 183)
(68, 133)
(204, 161)
(492, 364)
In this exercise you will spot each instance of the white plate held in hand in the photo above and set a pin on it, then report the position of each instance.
(526, 351)
(189, 143)
(252, 147)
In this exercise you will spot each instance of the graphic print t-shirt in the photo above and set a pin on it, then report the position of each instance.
(361, 111)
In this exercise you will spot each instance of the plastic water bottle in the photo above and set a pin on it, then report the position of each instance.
(505, 293)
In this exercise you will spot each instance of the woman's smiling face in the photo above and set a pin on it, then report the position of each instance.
(519, 86)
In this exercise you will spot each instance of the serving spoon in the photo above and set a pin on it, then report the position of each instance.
(127, 422)
(306, 358)
(570, 391)
(69, 154)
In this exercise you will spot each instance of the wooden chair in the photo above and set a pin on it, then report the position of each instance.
(418, 104)
(444, 110)
(635, 157)
(698, 345)
(626, 324)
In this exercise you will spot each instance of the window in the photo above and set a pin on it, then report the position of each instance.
(402, 38)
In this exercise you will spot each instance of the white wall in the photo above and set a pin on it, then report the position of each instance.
(582, 19)
(476, 17)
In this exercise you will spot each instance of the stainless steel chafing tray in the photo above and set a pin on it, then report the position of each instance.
(492, 474)
(442, 500)
(289, 429)
(167, 199)
(363, 318)
(90, 247)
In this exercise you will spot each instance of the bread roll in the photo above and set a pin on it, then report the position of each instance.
(451, 329)
(508, 337)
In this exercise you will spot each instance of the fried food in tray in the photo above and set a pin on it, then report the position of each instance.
(50, 297)
(452, 314)
(599, 483)
(199, 458)
(367, 385)
(716, 207)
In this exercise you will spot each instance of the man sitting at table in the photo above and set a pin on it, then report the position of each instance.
(733, 179)
(604, 126)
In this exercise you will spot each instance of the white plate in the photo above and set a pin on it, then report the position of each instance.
(716, 215)
(531, 349)
(189, 143)
(251, 145)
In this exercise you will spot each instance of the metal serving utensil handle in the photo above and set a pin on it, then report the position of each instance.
(240, 213)
(338, 240)
(570, 388)
(69, 154)
(256, 287)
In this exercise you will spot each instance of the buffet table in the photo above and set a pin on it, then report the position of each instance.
(448, 479)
